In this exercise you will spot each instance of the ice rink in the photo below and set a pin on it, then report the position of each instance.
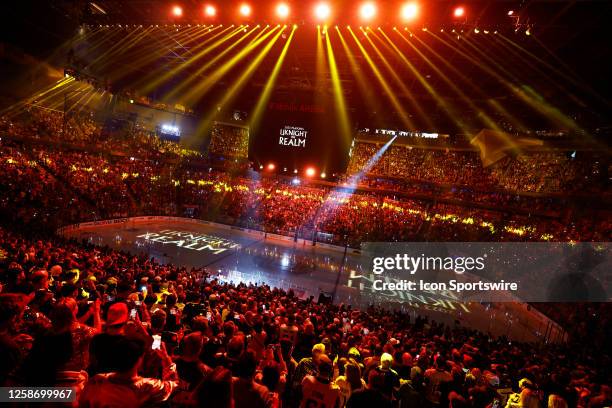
(250, 256)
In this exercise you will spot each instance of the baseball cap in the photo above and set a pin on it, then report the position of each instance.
(117, 314)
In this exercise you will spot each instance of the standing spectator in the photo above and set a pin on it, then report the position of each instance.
(125, 388)
(436, 379)
(350, 381)
(318, 391)
(372, 396)
(391, 378)
(246, 392)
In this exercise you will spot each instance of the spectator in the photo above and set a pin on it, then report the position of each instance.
(319, 390)
(125, 388)
(246, 392)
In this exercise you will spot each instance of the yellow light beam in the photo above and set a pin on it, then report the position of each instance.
(364, 86)
(526, 93)
(155, 79)
(481, 114)
(339, 102)
(127, 39)
(264, 97)
(215, 76)
(571, 77)
(388, 91)
(399, 81)
(193, 77)
(238, 84)
(60, 84)
(493, 103)
(147, 54)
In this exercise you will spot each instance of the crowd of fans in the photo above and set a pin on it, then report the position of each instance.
(98, 186)
(229, 141)
(73, 186)
(80, 129)
(123, 330)
(543, 172)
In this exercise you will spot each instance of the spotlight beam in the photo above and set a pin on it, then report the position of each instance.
(264, 97)
(364, 86)
(571, 77)
(139, 43)
(526, 93)
(193, 77)
(215, 76)
(487, 121)
(407, 92)
(238, 84)
(144, 56)
(449, 110)
(388, 91)
(229, 32)
(158, 76)
(339, 102)
(47, 93)
(116, 47)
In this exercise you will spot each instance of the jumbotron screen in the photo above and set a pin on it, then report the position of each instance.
(298, 131)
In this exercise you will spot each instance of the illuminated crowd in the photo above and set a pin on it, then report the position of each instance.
(73, 185)
(124, 330)
(540, 172)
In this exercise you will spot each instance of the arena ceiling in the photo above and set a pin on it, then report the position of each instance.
(566, 55)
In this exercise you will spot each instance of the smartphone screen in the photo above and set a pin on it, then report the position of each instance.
(156, 342)
(133, 314)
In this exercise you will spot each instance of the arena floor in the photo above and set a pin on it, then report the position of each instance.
(248, 256)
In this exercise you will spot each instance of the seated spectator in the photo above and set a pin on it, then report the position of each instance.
(526, 398)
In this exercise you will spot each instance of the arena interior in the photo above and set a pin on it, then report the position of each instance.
(234, 204)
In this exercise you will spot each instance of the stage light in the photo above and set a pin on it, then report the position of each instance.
(245, 10)
(510, 12)
(323, 175)
(210, 10)
(322, 11)
(177, 11)
(295, 171)
(271, 166)
(367, 11)
(409, 11)
(282, 10)
(459, 12)
(310, 172)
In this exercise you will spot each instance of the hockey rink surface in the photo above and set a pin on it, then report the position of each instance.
(238, 255)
